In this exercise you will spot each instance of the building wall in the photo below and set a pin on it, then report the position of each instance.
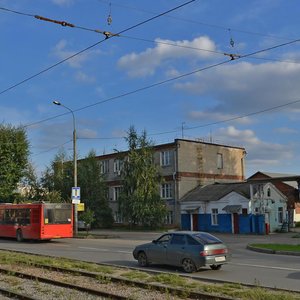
(248, 224)
(269, 205)
(198, 164)
(252, 218)
(191, 163)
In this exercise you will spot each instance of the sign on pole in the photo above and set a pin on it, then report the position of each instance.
(75, 195)
(80, 207)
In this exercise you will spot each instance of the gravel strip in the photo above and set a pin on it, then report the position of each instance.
(48, 292)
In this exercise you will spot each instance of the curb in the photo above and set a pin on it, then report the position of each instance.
(270, 251)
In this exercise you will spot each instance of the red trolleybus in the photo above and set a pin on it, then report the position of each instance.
(38, 221)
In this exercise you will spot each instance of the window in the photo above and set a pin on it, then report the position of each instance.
(104, 166)
(244, 211)
(178, 239)
(214, 216)
(166, 191)
(280, 215)
(268, 192)
(118, 217)
(165, 158)
(220, 161)
(191, 241)
(169, 218)
(117, 191)
(117, 166)
(164, 239)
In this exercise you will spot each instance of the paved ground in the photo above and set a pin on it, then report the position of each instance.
(278, 238)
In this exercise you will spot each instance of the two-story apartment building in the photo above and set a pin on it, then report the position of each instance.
(184, 165)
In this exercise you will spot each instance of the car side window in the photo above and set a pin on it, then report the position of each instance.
(178, 239)
(164, 239)
(191, 241)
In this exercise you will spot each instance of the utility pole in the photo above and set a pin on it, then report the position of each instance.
(74, 164)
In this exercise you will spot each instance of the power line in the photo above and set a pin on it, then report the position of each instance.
(94, 45)
(110, 34)
(233, 118)
(200, 23)
(233, 57)
(204, 50)
(52, 148)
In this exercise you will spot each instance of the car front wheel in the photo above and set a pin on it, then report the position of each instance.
(188, 265)
(142, 259)
(216, 267)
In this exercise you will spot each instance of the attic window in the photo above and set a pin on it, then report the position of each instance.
(268, 192)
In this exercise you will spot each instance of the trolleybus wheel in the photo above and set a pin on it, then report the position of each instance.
(19, 235)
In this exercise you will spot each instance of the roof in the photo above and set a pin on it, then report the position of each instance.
(289, 179)
(217, 191)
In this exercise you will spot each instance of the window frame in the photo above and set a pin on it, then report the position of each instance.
(214, 217)
(166, 190)
(104, 166)
(116, 192)
(165, 158)
(280, 215)
(117, 166)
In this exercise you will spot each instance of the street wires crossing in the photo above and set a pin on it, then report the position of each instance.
(107, 36)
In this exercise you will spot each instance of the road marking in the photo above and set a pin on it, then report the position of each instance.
(105, 250)
(90, 248)
(265, 267)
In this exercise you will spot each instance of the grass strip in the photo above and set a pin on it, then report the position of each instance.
(278, 247)
(187, 285)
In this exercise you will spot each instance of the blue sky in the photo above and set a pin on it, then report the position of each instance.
(207, 104)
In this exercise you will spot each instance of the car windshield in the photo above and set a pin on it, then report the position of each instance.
(206, 238)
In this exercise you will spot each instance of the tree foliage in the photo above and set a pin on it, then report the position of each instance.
(57, 180)
(88, 217)
(140, 202)
(94, 190)
(14, 152)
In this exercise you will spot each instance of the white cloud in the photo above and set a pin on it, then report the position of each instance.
(60, 51)
(260, 154)
(285, 130)
(146, 62)
(82, 77)
(62, 2)
(245, 87)
(206, 116)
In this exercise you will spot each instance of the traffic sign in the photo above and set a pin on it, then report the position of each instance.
(76, 194)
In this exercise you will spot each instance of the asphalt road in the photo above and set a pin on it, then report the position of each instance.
(281, 271)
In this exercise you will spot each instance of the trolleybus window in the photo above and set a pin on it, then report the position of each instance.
(57, 213)
(15, 216)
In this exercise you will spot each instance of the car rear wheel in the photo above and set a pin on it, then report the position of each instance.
(188, 265)
(142, 259)
(216, 267)
(19, 235)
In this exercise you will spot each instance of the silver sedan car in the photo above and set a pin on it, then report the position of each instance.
(190, 250)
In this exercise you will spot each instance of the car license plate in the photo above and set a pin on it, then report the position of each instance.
(219, 258)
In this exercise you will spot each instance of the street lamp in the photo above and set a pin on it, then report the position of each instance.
(74, 162)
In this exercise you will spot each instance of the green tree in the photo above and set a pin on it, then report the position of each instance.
(88, 217)
(14, 152)
(94, 190)
(32, 190)
(140, 202)
(59, 178)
